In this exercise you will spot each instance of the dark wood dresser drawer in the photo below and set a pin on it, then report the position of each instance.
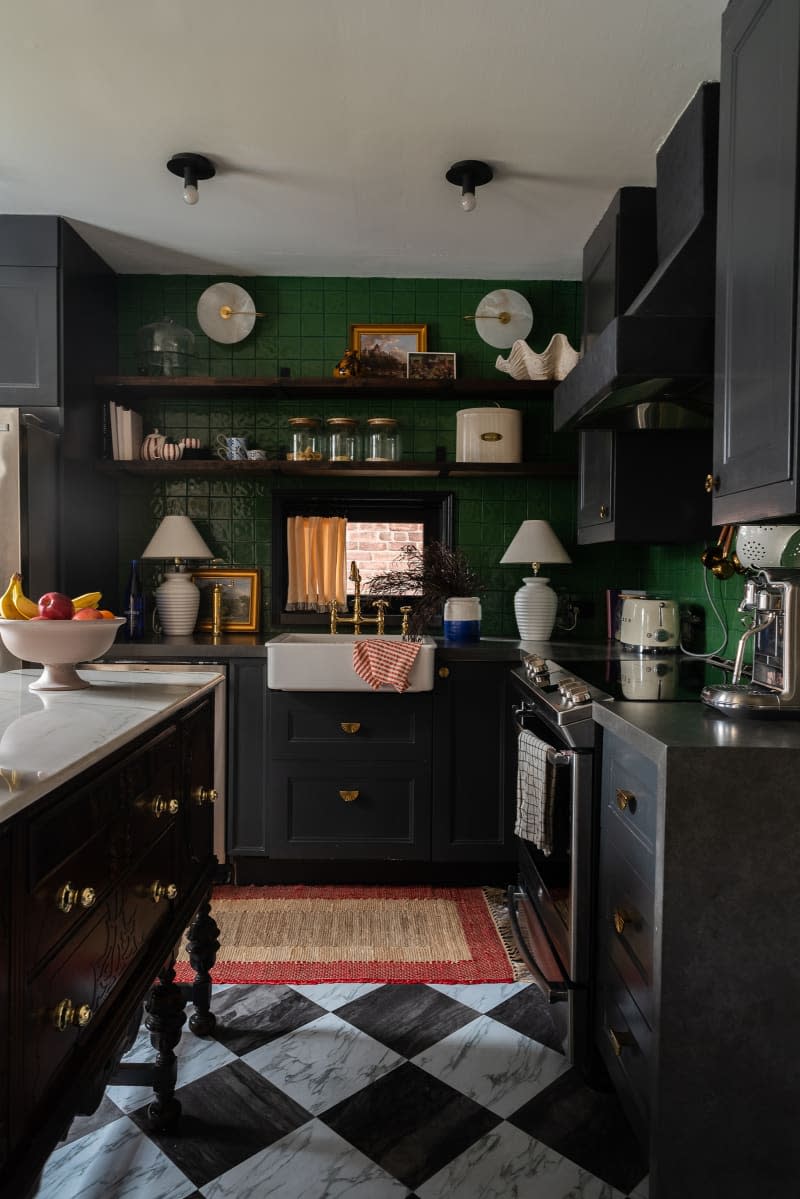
(349, 811)
(625, 1042)
(626, 916)
(349, 725)
(630, 795)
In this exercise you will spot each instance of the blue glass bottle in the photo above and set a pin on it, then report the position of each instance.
(133, 609)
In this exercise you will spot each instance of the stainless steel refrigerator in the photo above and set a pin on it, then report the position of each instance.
(29, 516)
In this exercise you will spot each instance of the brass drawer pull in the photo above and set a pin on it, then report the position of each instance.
(626, 799)
(159, 891)
(65, 1015)
(444, 672)
(202, 795)
(68, 896)
(619, 1040)
(161, 804)
(348, 796)
(623, 917)
(603, 511)
(350, 726)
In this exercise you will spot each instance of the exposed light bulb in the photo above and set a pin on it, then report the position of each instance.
(468, 201)
(190, 193)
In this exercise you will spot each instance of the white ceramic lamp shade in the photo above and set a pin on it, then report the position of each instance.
(535, 603)
(177, 598)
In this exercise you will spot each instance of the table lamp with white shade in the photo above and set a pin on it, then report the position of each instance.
(178, 598)
(535, 603)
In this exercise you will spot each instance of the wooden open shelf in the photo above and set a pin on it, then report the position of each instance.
(143, 386)
(408, 470)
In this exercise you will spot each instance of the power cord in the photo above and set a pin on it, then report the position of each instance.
(722, 623)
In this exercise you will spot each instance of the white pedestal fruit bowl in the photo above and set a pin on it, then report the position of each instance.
(59, 645)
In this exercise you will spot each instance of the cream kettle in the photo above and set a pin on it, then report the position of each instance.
(651, 625)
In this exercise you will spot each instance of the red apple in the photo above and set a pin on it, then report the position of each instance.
(55, 606)
(88, 614)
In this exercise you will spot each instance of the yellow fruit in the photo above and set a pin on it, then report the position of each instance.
(90, 599)
(7, 607)
(26, 607)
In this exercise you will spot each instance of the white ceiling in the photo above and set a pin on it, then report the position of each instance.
(332, 123)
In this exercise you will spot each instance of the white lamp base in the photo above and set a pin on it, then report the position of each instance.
(535, 609)
(177, 602)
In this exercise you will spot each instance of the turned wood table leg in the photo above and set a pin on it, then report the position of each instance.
(202, 943)
(166, 1016)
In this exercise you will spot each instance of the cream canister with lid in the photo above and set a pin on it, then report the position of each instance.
(489, 435)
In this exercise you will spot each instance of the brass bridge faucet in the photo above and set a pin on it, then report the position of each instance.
(357, 618)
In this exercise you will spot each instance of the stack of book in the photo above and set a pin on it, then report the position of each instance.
(125, 427)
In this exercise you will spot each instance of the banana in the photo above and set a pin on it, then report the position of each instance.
(25, 607)
(90, 599)
(7, 607)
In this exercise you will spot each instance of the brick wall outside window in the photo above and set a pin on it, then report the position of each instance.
(375, 546)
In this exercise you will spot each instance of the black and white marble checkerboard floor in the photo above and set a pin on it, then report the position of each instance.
(363, 1092)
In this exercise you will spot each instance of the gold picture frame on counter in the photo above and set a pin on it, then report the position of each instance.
(383, 349)
(241, 599)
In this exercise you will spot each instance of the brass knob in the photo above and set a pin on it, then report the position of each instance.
(161, 804)
(348, 796)
(622, 918)
(603, 511)
(625, 799)
(711, 483)
(65, 1015)
(350, 726)
(444, 672)
(68, 896)
(159, 891)
(202, 795)
(619, 1040)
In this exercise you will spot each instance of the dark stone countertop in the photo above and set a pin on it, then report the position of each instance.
(653, 728)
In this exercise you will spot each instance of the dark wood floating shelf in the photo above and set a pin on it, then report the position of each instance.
(156, 385)
(435, 470)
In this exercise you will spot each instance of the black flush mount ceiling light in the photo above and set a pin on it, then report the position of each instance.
(191, 167)
(468, 175)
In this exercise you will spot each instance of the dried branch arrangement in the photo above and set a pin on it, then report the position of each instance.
(437, 572)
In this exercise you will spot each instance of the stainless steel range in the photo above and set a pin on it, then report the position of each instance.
(552, 905)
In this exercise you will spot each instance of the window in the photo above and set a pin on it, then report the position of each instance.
(379, 524)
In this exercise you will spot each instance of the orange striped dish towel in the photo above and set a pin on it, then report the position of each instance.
(384, 663)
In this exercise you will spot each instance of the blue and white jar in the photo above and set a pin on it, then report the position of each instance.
(462, 620)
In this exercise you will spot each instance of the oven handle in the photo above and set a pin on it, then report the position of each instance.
(556, 757)
(554, 991)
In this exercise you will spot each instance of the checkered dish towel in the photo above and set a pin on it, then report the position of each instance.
(536, 788)
(384, 663)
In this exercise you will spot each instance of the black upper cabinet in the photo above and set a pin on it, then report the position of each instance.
(756, 386)
(645, 486)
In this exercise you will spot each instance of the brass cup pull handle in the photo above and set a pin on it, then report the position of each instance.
(626, 800)
(68, 896)
(65, 1015)
(350, 726)
(160, 806)
(619, 1040)
(159, 891)
(202, 795)
(348, 796)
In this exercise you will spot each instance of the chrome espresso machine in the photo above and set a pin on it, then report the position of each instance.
(772, 600)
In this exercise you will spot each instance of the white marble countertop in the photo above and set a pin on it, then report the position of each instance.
(49, 737)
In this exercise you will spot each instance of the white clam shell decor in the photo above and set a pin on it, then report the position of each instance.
(554, 362)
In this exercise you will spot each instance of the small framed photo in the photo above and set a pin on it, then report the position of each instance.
(431, 365)
(383, 349)
(241, 599)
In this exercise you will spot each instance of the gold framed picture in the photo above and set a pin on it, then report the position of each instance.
(384, 349)
(431, 366)
(241, 599)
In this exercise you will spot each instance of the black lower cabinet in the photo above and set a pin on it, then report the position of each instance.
(248, 758)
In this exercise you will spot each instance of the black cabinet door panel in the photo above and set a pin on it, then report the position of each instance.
(29, 336)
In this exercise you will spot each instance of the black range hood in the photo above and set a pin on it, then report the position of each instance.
(651, 365)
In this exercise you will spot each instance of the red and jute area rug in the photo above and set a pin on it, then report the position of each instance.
(302, 934)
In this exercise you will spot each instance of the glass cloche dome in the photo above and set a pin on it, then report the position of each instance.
(164, 348)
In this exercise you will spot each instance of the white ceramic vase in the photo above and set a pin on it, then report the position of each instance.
(177, 603)
(535, 609)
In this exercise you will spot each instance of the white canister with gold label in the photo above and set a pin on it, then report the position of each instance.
(489, 435)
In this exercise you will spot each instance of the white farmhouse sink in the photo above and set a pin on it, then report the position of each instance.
(324, 662)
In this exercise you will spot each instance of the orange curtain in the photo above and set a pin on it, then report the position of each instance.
(316, 549)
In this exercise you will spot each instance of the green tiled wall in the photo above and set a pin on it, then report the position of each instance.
(305, 330)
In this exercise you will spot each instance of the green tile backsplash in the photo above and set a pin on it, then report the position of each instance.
(305, 331)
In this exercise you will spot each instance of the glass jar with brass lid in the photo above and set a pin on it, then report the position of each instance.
(305, 441)
(383, 439)
(344, 443)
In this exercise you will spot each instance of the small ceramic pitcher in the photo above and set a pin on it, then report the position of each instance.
(152, 446)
